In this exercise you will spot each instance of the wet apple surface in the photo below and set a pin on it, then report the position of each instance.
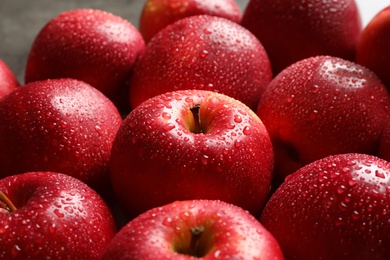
(200, 138)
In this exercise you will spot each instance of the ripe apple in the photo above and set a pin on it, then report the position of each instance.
(61, 125)
(322, 106)
(291, 31)
(334, 208)
(203, 229)
(202, 52)
(373, 46)
(157, 14)
(94, 46)
(48, 215)
(8, 80)
(191, 144)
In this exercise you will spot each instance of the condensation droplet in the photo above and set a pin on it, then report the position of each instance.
(59, 213)
(313, 115)
(237, 118)
(168, 127)
(247, 130)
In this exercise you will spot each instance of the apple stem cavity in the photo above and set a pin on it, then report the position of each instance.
(196, 114)
(9, 206)
(196, 233)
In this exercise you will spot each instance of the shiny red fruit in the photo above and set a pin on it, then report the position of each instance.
(200, 229)
(373, 46)
(157, 14)
(56, 217)
(322, 106)
(334, 208)
(61, 125)
(191, 144)
(293, 30)
(8, 80)
(94, 46)
(202, 52)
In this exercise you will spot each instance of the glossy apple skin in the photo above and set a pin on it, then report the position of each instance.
(333, 208)
(230, 233)
(157, 159)
(291, 31)
(157, 14)
(8, 80)
(57, 217)
(91, 45)
(322, 106)
(61, 125)
(202, 52)
(373, 46)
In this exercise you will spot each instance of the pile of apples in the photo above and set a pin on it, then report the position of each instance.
(208, 132)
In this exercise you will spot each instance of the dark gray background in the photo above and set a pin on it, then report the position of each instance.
(21, 20)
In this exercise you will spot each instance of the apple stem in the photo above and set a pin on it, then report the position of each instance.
(10, 207)
(196, 114)
(196, 233)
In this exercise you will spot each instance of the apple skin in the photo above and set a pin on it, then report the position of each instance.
(229, 232)
(202, 52)
(91, 45)
(57, 217)
(60, 125)
(322, 106)
(8, 80)
(157, 14)
(157, 156)
(373, 46)
(334, 208)
(291, 31)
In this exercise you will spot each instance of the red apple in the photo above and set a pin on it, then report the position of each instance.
(157, 14)
(61, 125)
(322, 106)
(334, 208)
(201, 229)
(291, 31)
(191, 144)
(94, 46)
(202, 52)
(373, 46)
(48, 215)
(8, 80)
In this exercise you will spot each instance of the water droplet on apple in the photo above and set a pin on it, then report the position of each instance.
(184, 215)
(379, 174)
(52, 228)
(166, 115)
(237, 143)
(59, 213)
(247, 130)
(230, 126)
(355, 215)
(15, 250)
(290, 98)
(203, 54)
(352, 182)
(313, 115)
(168, 127)
(315, 89)
(204, 159)
(341, 189)
(339, 221)
(237, 118)
(168, 222)
(207, 31)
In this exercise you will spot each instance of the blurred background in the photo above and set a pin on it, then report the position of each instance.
(21, 20)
